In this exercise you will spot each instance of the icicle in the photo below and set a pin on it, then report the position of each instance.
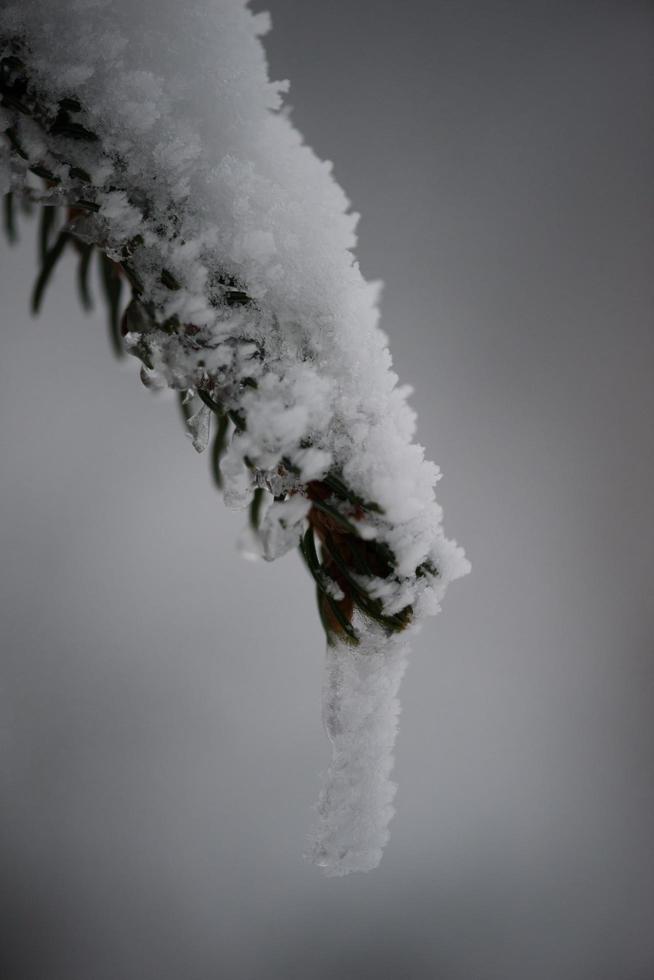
(360, 713)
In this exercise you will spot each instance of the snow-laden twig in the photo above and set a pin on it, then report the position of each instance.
(150, 134)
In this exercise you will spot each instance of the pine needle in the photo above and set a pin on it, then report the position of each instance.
(50, 260)
(112, 287)
(9, 216)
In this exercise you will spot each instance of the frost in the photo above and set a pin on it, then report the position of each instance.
(199, 430)
(237, 489)
(360, 712)
(282, 525)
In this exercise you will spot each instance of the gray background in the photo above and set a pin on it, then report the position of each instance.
(161, 742)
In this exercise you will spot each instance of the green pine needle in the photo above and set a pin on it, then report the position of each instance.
(46, 227)
(83, 269)
(112, 287)
(9, 216)
(218, 448)
(50, 260)
(255, 508)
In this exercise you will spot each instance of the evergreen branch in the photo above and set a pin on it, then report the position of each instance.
(336, 510)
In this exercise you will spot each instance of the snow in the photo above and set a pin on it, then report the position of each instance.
(241, 242)
(360, 712)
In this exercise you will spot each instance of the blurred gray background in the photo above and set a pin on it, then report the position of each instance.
(161, 743)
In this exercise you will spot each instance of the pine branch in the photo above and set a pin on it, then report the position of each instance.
(350, 563)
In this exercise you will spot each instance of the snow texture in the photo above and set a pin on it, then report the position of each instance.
(360, 712)
(241, 243)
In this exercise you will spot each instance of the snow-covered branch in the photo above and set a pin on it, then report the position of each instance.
(151, 134)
